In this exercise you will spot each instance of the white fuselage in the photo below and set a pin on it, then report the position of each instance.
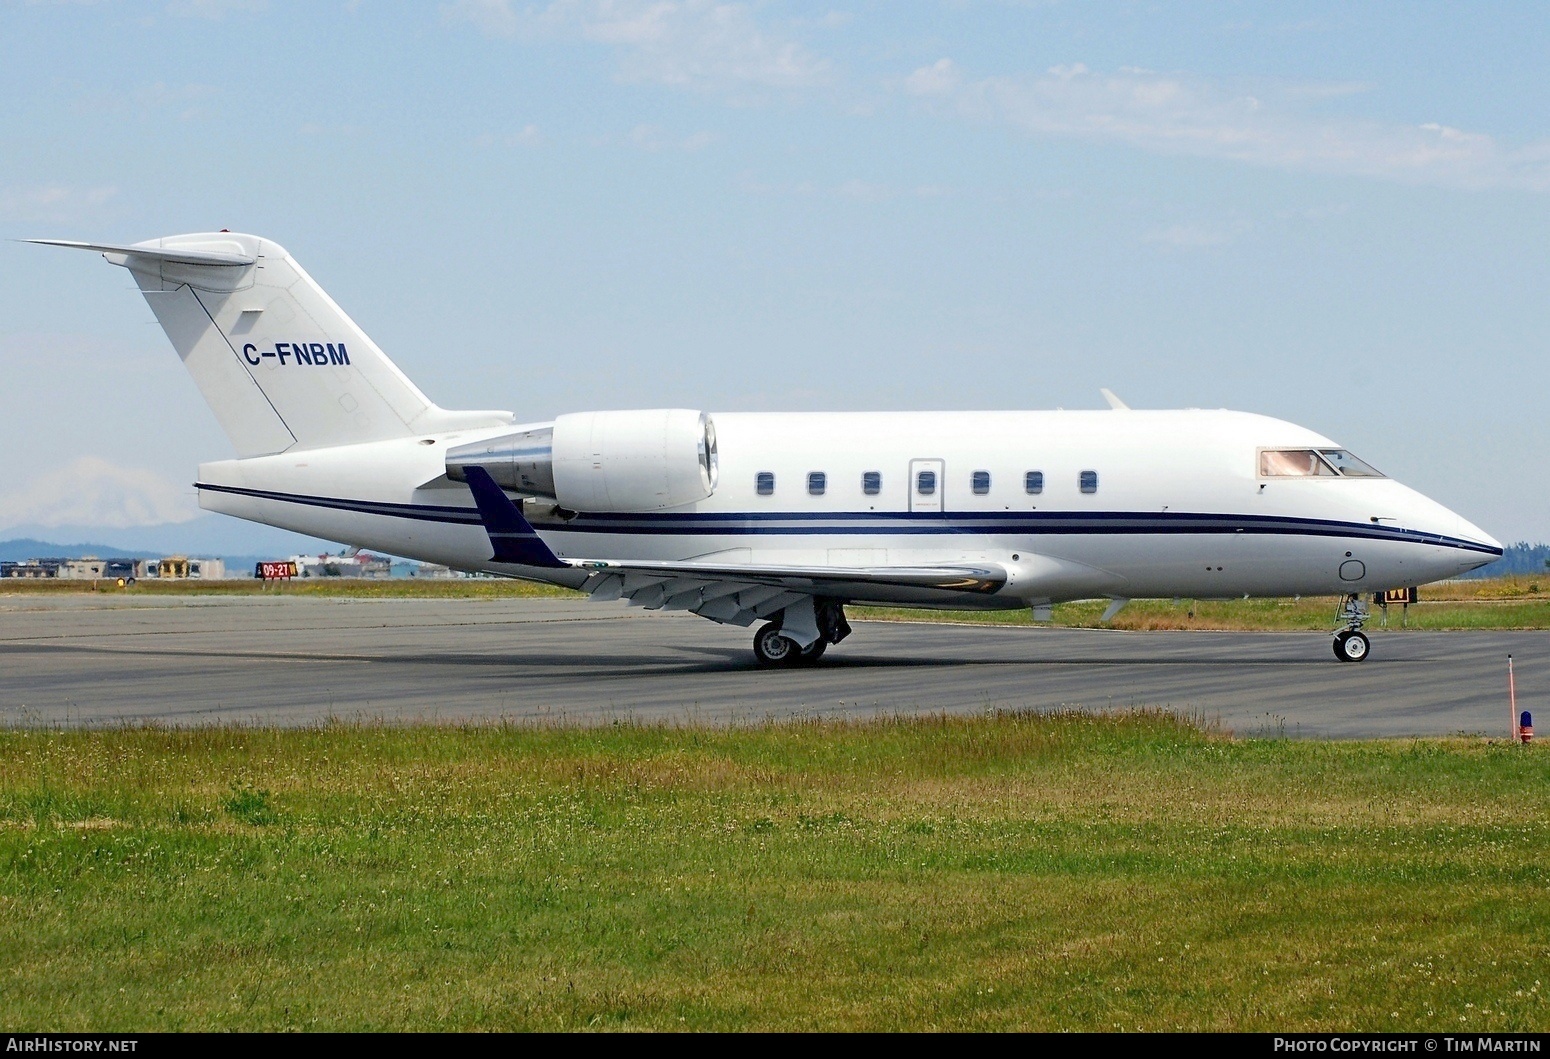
(1178, 509)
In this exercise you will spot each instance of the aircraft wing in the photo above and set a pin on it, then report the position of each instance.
(735, 593)
(739, 594)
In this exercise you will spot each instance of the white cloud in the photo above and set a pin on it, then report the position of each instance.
(190, 101)
(653, 138)
(214, 9)
(54, 203)
(527, 136)
(90, 491)
(493, 18)
(704, 44)
(336, 132)
(940, 78)
(1270, 126)
(853, 190)
(1190, 236)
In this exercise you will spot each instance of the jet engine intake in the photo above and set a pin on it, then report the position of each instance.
(642, 460)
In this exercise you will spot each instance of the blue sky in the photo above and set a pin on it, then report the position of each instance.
(1332, 213)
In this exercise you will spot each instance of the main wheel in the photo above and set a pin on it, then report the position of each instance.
(1352, 646)
(810, 654)
(773, 649)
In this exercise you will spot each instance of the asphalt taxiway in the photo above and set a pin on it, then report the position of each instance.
(93, 659)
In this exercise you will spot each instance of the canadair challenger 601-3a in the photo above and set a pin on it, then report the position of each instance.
(776, 519)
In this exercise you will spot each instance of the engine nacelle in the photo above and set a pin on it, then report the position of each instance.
(633, 461)
(603, 461)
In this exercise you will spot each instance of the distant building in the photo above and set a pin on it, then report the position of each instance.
(359, 565)
(181, 566)
(32, 569)
(93, 569)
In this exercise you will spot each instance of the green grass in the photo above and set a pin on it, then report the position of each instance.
(1002, 872)
(1248, 614)
(1518, 602)
(342, 587)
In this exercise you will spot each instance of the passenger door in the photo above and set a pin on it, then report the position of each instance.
(927, 484)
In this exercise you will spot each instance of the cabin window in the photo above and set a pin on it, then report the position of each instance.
(764, 483)
(925, 483)
(1089, 481)
(1294, 463)
(1033, 482)
(980, 482)
(872, 483)
(817, 481)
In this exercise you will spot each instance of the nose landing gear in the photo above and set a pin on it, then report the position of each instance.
(1351, 644)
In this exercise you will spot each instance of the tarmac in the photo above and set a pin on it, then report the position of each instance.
(99, 660)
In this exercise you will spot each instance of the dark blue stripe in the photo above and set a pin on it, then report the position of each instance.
(903, 523)
(419, 512)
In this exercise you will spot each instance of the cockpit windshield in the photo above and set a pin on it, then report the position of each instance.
(1349, 465)
(1313, 463)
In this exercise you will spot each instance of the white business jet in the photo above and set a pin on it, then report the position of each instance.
(779, 519)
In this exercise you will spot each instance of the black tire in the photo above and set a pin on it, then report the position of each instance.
(772, 649)
(1352, 647)
(810, 654)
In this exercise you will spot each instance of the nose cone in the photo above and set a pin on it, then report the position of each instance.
(1475, 547)
(1475, 535)
(1457, 545)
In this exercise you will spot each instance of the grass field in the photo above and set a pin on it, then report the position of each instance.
(1519, 602)
(334, 588)
(1003, 872)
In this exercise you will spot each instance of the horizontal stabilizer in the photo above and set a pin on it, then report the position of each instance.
(154, 253)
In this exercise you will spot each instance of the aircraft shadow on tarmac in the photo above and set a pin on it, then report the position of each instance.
(715, 660)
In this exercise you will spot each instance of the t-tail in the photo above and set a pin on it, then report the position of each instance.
(281, 365)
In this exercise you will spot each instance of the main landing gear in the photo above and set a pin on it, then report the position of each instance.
(772, 647)
(1351, 644)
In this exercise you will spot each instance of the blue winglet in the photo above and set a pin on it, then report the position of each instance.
(511, 535)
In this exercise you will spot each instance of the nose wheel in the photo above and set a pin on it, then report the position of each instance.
(1351, 644)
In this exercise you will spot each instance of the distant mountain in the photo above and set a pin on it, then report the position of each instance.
(209, 536)
(27, 548)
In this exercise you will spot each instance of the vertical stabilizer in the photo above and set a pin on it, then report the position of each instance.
(280, 364)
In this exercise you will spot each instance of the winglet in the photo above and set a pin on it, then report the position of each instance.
(511, 535)
(1114, 402)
